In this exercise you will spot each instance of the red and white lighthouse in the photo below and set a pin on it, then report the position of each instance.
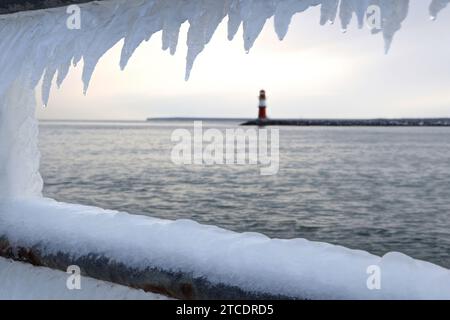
(262, 114)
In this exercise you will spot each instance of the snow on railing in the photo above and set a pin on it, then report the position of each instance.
(184, 259)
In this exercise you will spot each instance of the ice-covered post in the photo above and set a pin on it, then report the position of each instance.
(19, 153)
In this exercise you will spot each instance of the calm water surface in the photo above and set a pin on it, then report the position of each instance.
(377, 189)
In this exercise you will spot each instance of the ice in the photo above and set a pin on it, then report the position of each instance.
(21, 281)
(296, 268)
(436, 6)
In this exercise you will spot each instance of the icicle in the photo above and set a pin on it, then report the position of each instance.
(328, 11)
(63, 71)
(393, 13)
(47, 84)
(172, 21)
(203, 24)
(436, 6)
(254, 15)
(285, 11)
(143, 23)
(234, 19)
(345, 14)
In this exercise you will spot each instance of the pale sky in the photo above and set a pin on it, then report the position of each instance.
(315, 72)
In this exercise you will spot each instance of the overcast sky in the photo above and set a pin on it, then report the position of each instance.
(315, 72)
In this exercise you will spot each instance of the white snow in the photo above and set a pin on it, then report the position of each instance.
(37, 46)
(298, 267)
(20, 281)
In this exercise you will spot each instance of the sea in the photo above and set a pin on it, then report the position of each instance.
(377, 189)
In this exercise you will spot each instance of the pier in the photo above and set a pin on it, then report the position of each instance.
(263, 120)
(416, 122)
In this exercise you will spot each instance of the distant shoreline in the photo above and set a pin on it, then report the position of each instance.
(197, 119)
(381, 122)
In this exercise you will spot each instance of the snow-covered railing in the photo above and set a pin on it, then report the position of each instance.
(184, 259)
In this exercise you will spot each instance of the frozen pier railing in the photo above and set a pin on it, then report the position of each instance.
(184, 259)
